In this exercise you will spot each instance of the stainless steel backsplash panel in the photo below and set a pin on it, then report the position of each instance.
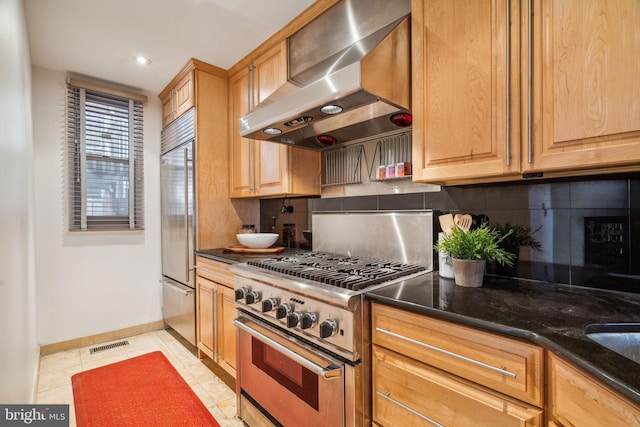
(404, 236)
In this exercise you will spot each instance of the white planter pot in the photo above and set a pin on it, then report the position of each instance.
(469, 273)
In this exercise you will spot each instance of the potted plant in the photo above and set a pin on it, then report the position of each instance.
(470, 251)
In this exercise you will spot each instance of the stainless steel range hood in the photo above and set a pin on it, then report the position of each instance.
(355, 56)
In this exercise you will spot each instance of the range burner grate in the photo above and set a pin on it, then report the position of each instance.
(351, 273)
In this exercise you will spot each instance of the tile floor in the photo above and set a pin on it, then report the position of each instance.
(54, 382)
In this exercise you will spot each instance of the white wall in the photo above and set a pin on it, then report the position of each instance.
(18, 348)
(93, 282)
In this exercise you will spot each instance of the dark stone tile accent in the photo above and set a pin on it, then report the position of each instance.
(599, 194)
(402, 201)
(439, 200)
(535, 196)
(331, 204)
(467, 198)
(634, 193)
(361, 203)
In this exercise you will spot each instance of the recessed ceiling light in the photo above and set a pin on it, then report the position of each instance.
(142, 60)
(272, 131)
(331, 109)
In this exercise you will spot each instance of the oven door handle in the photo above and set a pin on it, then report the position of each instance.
(329, 372)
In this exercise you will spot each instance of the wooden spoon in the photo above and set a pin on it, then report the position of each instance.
(446, 223)
(464, 221)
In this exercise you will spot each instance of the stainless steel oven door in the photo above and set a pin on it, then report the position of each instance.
(296, 384)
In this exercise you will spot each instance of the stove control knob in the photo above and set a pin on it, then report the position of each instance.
(293, 319)
(241, 292)
(328, 328)
(269, 305)
(309, 320)
(283, 310)
(252, 297)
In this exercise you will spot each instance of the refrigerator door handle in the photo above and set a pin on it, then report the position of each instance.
(186, 213)
(178, 288)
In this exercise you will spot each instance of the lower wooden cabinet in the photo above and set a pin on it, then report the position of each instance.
(410, 393)
(508, 366)
(577, 400)
(428, 371)
(216, 334)
(432, 372)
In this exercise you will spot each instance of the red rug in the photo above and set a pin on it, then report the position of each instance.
(142, 391)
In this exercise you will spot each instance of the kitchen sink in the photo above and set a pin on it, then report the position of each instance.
(623, 338)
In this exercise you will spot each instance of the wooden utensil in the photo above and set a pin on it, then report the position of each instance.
(446, 223)
(463, 221)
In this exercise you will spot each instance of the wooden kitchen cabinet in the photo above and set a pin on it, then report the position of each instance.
(206, 301)
(586, 85)
(216, 333)
(452, 374)
(266, 169)
(504, 364)
(461, 112)
(410, 393)
(477, 119)
(178, 98)
(205, 88)
(576, 399)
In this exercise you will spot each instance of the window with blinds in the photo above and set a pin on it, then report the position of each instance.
(105, 161)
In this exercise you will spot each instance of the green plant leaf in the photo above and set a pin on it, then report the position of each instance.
(476, 244)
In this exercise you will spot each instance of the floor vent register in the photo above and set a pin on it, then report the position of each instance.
(108, 346)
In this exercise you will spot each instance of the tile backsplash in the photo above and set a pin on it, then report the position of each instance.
(607, 207)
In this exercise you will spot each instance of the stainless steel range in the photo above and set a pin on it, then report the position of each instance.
(303, 320)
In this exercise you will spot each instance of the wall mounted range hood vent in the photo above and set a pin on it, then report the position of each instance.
(355, 57)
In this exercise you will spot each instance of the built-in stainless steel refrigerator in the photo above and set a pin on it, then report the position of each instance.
(178, 222)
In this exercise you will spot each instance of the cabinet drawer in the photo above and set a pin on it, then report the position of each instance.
(507, 365)
(217, 271)
(410, 393)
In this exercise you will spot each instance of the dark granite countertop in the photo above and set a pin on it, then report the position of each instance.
(550, 315)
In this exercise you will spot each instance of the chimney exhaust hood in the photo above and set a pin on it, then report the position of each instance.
(349, 78)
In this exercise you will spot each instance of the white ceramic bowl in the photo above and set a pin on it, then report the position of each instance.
(257, 240)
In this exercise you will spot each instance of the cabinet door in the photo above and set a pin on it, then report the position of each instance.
(167, 108)
(227, 339)
(183, 95)
(577, 400)
(206, 335)
(461, 66)
(269, 73)
(241, 152)
(586, 85)
(409, 393)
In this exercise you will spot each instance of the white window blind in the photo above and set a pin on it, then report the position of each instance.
(105, 161)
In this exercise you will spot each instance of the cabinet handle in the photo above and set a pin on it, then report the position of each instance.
(250, 143)
(529, 85)
(502, 371)
(508, 89)
(406, 408)
(187, 244)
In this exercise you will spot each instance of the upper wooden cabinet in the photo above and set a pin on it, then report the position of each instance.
(477, 118)
(205, 88)
(460, 107)
(266, 169)
(178, 98)
(586, 85)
